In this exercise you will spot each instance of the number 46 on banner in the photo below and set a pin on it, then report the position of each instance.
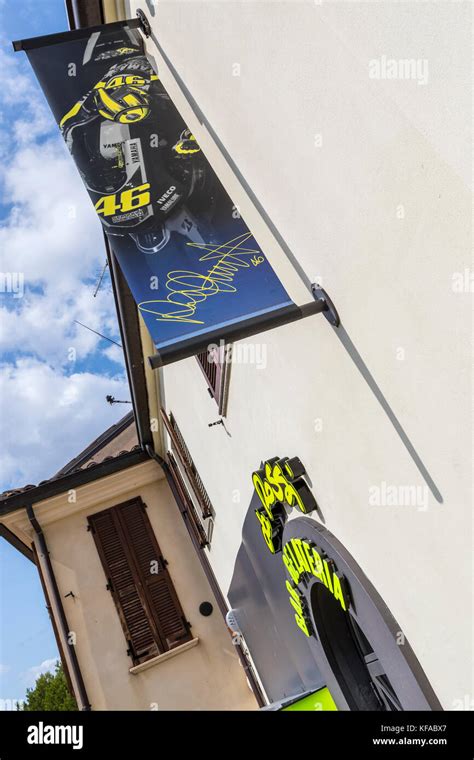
(128, 200)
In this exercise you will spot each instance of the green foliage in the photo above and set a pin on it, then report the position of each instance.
(50, 692)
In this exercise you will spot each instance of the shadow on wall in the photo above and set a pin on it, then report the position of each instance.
(369, 379)
(150, 4)
(340, 331)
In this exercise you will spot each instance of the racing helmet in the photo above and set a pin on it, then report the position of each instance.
(125, 104)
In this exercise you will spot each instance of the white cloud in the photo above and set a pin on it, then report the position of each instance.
(30, 676)
(45, 326)
(24, 114)
(19, 88)
(115, 354)
(4, 668)
(47, 417)
(50, 233)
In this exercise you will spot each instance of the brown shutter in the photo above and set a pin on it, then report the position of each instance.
(216, 372)
(164, 603)
(179, 446)
(147, 604)
(212, 371)
(122, 582)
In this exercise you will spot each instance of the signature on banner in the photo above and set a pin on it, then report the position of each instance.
(188, 289)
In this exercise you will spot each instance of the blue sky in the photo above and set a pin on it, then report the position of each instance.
(51, 405)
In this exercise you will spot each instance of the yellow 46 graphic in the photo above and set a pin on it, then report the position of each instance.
(127, 200)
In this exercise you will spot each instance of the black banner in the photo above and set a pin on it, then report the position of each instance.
(190, 260)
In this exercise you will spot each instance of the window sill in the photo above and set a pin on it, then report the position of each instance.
(162, 657)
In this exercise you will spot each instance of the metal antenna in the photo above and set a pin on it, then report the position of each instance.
(98, 333)
(111, 400)
(100, 279)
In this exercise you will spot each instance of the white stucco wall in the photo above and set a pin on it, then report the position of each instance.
(379, 213)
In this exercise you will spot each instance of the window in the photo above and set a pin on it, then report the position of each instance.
(138, 579)
(215, 364)
(188, 480)
(198, 527)
(182, 451)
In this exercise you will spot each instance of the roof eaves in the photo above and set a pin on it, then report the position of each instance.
(108, 435)
(54, 486)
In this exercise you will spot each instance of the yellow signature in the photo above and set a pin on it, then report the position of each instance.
(188, 289)
(257, 260)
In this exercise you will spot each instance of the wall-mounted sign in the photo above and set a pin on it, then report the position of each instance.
(191, 262)
(304, 561)
(280, 486)
(351, 644)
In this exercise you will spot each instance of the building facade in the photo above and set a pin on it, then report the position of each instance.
(366, 199)
(137, 624)
(323, 473)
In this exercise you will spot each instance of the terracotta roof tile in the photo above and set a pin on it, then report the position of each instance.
(89, 465)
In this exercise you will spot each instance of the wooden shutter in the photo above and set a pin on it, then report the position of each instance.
(212, 370)
(185, 501)
(141, 586)
(179, 446)
(216, 373)
(164, 605)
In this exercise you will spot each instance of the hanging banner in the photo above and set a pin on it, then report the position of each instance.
(189, 259)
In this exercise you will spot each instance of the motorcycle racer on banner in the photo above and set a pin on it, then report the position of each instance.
(145, 173)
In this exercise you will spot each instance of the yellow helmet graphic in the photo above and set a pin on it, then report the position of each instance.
(187, 144)
(125, 104)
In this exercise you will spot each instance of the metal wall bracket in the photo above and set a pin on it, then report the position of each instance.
(321, 304)
(145, 24)
(330, 311)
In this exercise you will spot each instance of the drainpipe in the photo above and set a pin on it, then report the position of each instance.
(59, 606)
(212, 580)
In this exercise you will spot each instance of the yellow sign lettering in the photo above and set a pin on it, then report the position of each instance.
(289, 564)
(338, 592)
(301, 623)
(318, 567)
(302, 559)
(300, 555)
(264, 493)
(328, 576)
(309, 557)
(297, 604)
(267, 529)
